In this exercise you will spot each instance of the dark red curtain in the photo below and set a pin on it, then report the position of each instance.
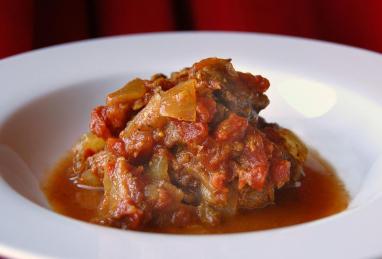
(30, 24)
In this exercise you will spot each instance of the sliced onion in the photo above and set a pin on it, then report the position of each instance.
(158, 168)
(90, 141)
(147, 118)
(180, 102)
(133, 90)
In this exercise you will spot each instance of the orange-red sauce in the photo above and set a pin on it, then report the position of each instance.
(321, 194)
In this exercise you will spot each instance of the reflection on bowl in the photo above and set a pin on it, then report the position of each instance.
(310, 98)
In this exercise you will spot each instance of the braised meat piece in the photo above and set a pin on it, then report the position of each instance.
(185, 150)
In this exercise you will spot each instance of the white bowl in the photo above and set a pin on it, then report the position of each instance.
(329, 94)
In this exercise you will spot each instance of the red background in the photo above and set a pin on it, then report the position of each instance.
(30, 24)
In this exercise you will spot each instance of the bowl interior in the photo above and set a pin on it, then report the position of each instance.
(338, 123)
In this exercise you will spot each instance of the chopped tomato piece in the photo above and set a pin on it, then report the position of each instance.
(205, 109)
(117, 146)
(280, 171)
(98, 124)
(232, 128)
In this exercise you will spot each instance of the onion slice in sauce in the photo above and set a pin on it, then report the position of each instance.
(133, 90)
(180, 102)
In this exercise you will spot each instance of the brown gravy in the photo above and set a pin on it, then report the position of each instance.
(320, 194)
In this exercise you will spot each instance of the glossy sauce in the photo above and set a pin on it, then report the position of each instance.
(320, 194)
